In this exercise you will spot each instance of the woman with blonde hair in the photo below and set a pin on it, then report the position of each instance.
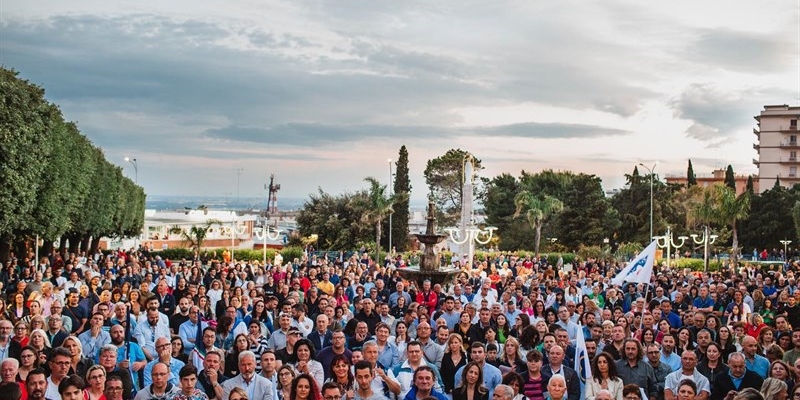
(454, 358)
(237, 393)
(511, 357)
(774, 389)
(78, 363)
(95, 383)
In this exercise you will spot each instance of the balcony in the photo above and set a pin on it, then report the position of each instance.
(789, 129)
(756, 146)
(757, 132)
(755, 162)
(788, 160)
(790, 144)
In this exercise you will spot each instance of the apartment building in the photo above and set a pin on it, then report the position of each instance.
(777, 146)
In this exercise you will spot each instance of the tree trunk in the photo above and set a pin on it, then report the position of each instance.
(47, 247)
(62, 245)
(537, 239)
(5, 248)
(74, 243)
(735, 245)
(95, 244)
(86, 243)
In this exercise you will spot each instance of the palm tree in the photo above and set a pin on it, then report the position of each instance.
(729, 210)
(378, 207)
(196, 235)
(538, 209)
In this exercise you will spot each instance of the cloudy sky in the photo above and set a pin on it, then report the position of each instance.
(323, 92)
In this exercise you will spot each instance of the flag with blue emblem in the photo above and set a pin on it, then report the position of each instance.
(582, 363)
(640, 269)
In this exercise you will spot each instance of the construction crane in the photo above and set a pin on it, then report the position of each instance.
(272, 197)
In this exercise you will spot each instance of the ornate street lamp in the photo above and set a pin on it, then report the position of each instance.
(706, 240)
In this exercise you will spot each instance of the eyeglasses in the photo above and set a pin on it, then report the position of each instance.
(285, 373)
(113, 389)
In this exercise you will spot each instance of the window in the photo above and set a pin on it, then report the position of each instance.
(793, 140)
(792, 171)
(793, 124)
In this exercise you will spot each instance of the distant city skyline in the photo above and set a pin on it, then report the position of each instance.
(321, 94)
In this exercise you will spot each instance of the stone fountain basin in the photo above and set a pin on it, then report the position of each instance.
(442, 276)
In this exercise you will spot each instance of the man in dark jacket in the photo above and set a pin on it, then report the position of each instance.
(736, 379)
(555, 358)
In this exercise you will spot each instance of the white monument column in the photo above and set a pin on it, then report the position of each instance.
(466, 205)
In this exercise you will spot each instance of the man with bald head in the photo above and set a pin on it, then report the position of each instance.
(555, 366)
(164, 348)
(160, 388)
(432, 351)
(754, 361)
(688, 369)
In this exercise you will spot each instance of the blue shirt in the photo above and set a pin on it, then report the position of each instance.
(673, 360)
(186, 331)
(412, 394)
(759, 365)
(491, 377)
(700, 303)
(175, 366)
(390, 356)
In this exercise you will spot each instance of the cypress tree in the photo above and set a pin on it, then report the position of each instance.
(730, 179)
(750, 187)
(401, 210)
(691, 180)
(777, 182)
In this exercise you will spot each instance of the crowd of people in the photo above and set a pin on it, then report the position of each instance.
(131, 325)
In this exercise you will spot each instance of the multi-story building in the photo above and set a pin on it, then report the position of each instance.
(777, 146)
(716, 176)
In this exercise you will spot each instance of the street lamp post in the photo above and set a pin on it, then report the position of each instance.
(264, 235)
(135, 168)
(652, 175)
(706, 240)
(785, 244)
(669, 243)
(235, 231)
(471, 235)
(390, 214)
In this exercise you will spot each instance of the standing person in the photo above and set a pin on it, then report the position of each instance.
(189, 390)
(432, 351)
(423, 386)
(660, 369)
(95, 337)
(555, 357)
(404, 373)
(688, 371)
(453, 360)
(633, 370)
(491, 375)
(135, 361)
(326, 355)
(388, 354)
(604, 377)
(533, 385)
(147, 332)
(160, 388)
(712, 365)
(471, 387)
(36, 385)
(257, 386)
(754, 361)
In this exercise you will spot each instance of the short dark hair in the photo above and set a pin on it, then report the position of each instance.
(37, 371)
(72, 380)
(187, 370)
(10, 391)
(329, 386)
(476, 345)
(60, 351)
(363, 364)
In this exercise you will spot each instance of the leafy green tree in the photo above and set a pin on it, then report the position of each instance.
(729, 210)
(537, 208)
(633, 206)
(691, 179)
(549, 182)
(588, 217)
(26, 118)
(444, 176)
(196, 235)
(796, 218)
(730, 178)
(336, 219)
(498, 205)
(402, 184)
(770, 218)
(379, 206)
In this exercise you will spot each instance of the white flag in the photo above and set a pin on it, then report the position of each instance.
(582, 363)
(640, 269)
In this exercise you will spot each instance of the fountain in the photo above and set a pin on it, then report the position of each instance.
(428, 268)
